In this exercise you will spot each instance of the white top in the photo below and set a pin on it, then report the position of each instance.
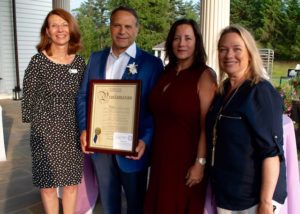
(116, 66)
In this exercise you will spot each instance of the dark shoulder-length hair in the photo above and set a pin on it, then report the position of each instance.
(199, 54)
(74, 43)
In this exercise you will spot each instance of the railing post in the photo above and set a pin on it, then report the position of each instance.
(2, 145)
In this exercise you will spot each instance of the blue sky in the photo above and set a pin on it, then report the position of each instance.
(75, 3)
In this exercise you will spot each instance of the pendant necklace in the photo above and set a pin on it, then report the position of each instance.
(214, 139)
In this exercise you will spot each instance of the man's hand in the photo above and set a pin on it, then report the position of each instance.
(83, 142)
(140, 149)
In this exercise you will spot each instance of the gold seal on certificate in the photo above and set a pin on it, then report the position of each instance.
(113, 106)
(97, 131)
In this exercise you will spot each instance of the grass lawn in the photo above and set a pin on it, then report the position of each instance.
(280, 68)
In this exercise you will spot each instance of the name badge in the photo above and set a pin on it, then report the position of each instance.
(73, 71)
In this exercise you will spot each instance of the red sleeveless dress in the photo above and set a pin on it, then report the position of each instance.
(175, 105)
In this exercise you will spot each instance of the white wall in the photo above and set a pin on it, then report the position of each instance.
(7, 62)
(30, 16)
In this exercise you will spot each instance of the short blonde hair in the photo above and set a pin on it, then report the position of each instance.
(257, 70)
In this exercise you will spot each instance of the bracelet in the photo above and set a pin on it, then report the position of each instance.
(201, 161)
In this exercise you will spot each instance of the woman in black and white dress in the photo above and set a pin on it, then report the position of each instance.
(50, 85)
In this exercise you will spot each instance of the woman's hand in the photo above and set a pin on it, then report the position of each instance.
(270, 174)
(83, 142)
(265, 208)
(195, 174)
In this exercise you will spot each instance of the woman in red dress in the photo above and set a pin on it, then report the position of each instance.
(177, 182)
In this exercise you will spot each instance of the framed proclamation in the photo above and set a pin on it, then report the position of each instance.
(113, 115)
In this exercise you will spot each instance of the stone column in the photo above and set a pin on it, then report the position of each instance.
(64, 4)
(214, 17)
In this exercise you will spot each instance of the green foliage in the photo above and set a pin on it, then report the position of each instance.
(187, 10)
(89, 36)
(245, 13)
(289, 89)
(292, 12)
(153, 27)
(272, 19)
(289, 92)
(286, 91)
(274, 24)
(93, 21)
(295, 83)
(156, 16)
(295, 48)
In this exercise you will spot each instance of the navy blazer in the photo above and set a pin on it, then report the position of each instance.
(149, 68)
(249, 129)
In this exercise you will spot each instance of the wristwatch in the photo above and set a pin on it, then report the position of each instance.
(202, 161)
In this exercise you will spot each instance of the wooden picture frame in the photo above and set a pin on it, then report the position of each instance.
(113, 116)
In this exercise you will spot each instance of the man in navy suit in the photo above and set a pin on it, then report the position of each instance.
(115, 171)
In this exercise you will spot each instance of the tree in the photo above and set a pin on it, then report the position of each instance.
(93, 21)
(153, 28)
(187, 9)
(274, 23)
(272, 18)
(89, 35)
(156, 16)
(295, 48)
(246, 13)
(292, 33)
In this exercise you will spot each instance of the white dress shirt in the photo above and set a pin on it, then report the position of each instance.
(116, 66)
